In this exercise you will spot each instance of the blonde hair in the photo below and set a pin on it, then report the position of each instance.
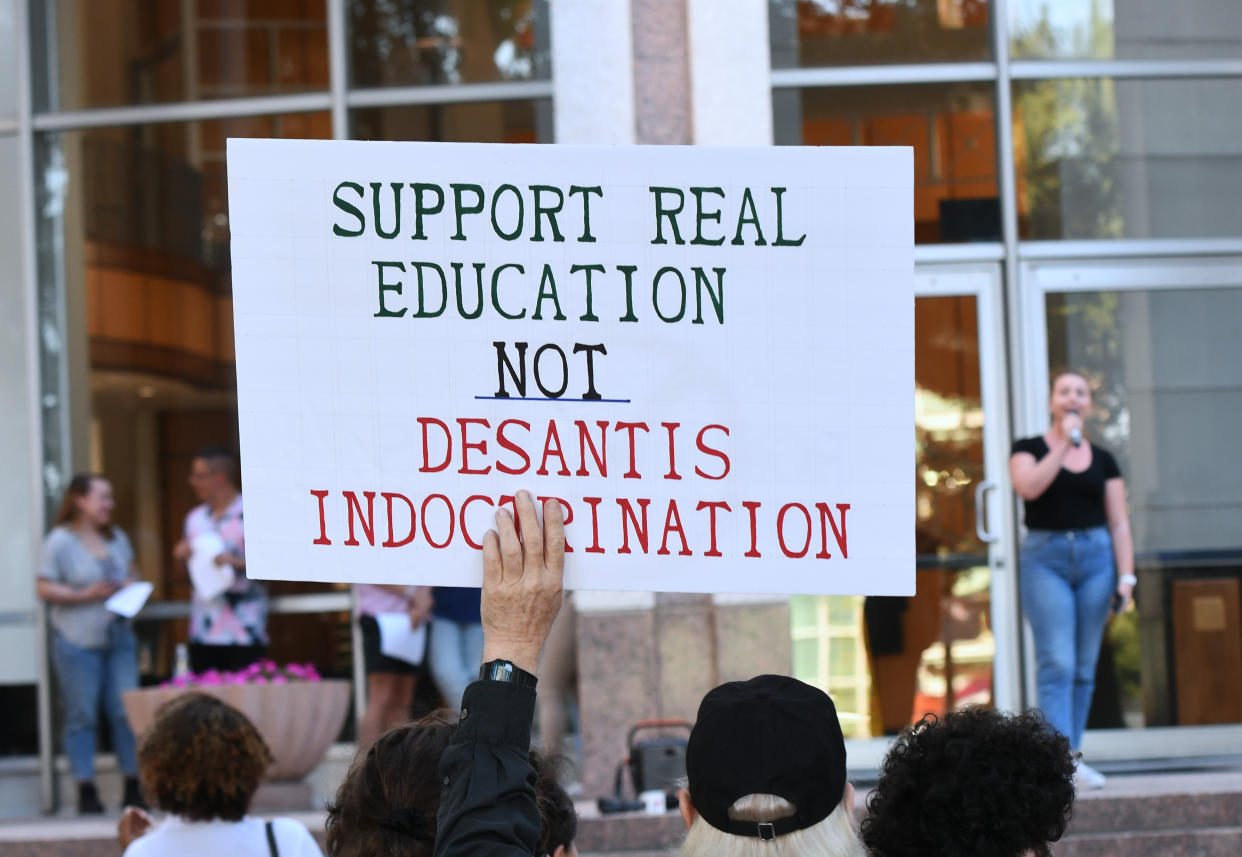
(833, 837)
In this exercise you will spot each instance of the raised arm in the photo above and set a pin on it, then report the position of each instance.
(487, 796)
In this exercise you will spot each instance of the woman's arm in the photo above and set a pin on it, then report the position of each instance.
(1031, 478)
(60, 593)
(1119, 527)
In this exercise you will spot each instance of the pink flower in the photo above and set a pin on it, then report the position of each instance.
(280, 679)
(259, 679)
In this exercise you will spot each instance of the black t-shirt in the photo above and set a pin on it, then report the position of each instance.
(1074, 501)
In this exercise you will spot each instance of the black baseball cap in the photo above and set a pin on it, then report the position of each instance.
(770, 735)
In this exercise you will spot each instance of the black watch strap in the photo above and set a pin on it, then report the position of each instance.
(507, 671)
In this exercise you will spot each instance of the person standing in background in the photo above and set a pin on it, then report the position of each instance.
(86, 559)
(390, 681)
(456, 641)
(1077, 558)
(229, 631)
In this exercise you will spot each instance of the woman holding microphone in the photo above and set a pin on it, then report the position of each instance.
(1077, 561)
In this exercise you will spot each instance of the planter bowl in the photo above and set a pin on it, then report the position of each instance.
(299, 720)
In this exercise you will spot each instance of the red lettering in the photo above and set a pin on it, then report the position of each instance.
(323, 524)
(594, 502)
(672, 524)
(780, 530)
(391, 541)
(672, 454)
(640, 530)
(466, 445)
(512, 447)
(427, 535)
(839, 535)
(629, 429)
(719, 504)
(448, 446)
(465, 534)
(751, 506)
(567, 512)
(367, 523)
(600, 455)
(708, 450)
(552, 446)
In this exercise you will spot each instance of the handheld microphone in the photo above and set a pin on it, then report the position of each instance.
(1075, 433)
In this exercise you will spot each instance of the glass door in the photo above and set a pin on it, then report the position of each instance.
(888, 661)
(1158, 338)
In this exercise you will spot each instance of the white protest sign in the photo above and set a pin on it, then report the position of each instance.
(707, 354)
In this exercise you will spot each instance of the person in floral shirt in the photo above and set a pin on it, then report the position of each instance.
(229, 631)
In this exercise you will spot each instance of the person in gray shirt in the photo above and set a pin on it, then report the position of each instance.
(86, 559)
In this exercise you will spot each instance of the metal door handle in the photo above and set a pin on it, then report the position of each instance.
(981, 491)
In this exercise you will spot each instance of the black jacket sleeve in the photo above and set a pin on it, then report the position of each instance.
(487, 786)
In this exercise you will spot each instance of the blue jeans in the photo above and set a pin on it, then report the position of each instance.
(86, 678)
(456, 655)
(1067, 585)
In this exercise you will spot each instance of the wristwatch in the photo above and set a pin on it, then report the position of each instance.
(507, 671)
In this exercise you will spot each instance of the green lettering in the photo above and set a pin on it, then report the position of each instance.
(586, 237)
(462, 209)
(780, 226)
(753, 220)
(496, 290)
(384, 312)
(420, 209)
(549, 292)
(348, 208)
(573, 269)
(701, 282)
(702, 215)
(550, 211)
(521, 212)
(661, 211)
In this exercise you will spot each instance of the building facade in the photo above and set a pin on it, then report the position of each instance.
(1077, 171)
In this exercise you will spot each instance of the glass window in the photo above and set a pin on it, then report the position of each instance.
(104, 53)
(8, 58)
(887, 660)
(480, 122)
(1167, 367)
(1125, 29)
(1105, 158)
(810, 33)
(951, 127)
(133, 238)
(427, 42)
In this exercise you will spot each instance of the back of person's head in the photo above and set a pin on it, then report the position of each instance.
(556, 811)
(975, 782)
(202, 759)
(388, 802)
(765, 769)
(220, 459)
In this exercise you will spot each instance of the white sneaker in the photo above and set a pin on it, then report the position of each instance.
(1088, 777)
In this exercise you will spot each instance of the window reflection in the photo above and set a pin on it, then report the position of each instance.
(480, 122)
(951, 128)
(429, 42)
(1125, 29)
(1167, 373)
(103, 53)
(809, 33)
(1105, 158)
(888, 660)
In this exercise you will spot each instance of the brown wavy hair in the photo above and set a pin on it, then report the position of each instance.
(202, 759)
(388, 802)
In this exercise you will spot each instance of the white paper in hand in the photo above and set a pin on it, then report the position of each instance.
(208, 578)
(128, 600)
(398, 640)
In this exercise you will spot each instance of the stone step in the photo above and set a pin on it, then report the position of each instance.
(1132, 808)
(1149, 802)
(1184, 842)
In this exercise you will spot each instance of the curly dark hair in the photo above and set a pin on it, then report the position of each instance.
(202, 759)
(388, 802)
(557, 816)
(974, 782)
